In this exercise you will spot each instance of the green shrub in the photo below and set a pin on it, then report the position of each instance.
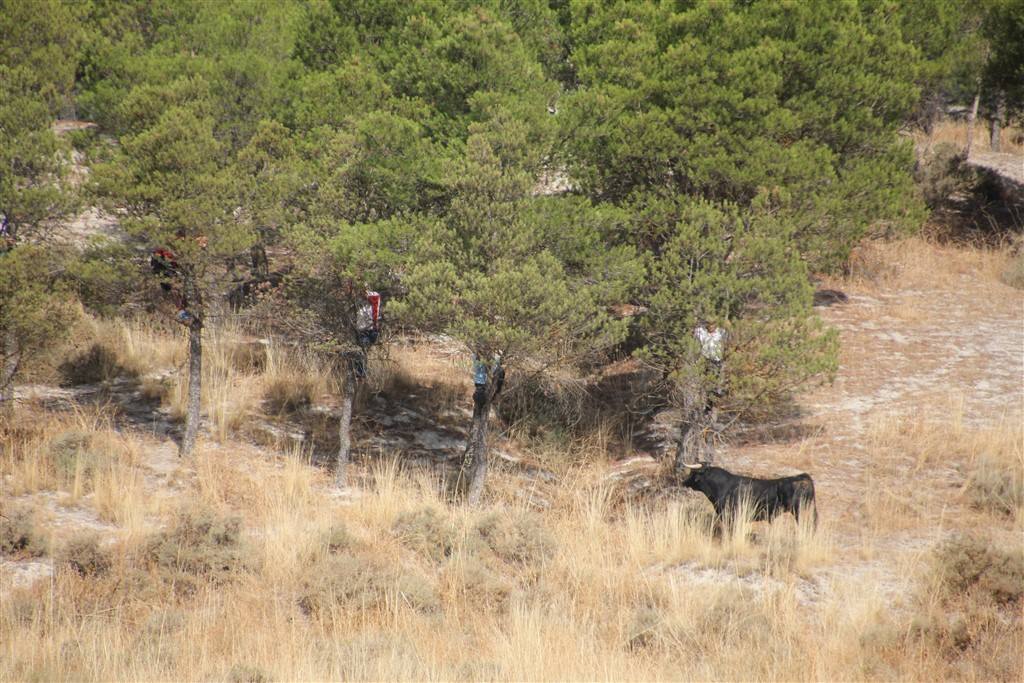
(997, 484)
(200, 546)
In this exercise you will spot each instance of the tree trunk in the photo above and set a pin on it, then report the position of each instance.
(691, 444)
(12, 357)
(473, 472)
(995, 126)
(971, 118)
(195, 383)
(345, 424)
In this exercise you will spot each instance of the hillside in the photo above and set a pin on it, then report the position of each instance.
(246, 563)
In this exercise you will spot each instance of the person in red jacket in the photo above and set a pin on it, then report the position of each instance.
(367, 329)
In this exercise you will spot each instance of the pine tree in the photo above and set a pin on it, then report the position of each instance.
(174, 182)
(517, 279)
(739, 269)
(794, 104)
(36, 71)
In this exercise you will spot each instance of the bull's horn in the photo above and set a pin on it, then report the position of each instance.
(693, 467)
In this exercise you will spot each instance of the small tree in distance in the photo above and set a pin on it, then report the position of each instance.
(173, 181)
(322, 298)
(511, 276)
(734, 267)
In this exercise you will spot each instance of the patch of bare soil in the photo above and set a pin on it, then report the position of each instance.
(944, 355)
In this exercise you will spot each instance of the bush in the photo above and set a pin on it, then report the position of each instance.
(426, 532)
(941, 174)
(478, 583)
(98, 364)
(363, 582)
(19, 536)
(244, 673)
(997, 484)
(337, 539)
(71, 454)
(85, 557)
(968, 564)
(201, 544)
(522, 540)
(1013, 275)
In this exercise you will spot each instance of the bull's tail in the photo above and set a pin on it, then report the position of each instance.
(804, 490)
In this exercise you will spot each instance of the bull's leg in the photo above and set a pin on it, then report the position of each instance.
(718, 522)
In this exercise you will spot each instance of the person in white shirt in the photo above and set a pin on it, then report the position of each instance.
(367, 329)
(712, 348)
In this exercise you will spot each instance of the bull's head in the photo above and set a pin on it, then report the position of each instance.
(696, 473)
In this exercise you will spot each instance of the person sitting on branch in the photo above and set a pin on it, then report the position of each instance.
(712, 340)
(165, 266)
(367, 329)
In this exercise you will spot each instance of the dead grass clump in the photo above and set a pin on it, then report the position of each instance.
(942, 173)
(970, 564)
(544, 401)
(200, 544)
(19, 533)
(996, 483)
(97, 364)
(427, 532)
(519, 540)
(85, 556)
(292, 380)
(340, 583)
(468, 579)
(1013, 274)
(289, 394)
(443, 383)
(921, 263)
(245, 673)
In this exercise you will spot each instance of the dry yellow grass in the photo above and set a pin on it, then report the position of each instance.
(955, 133)
(585, 591)
(392, 582)
(920, 263)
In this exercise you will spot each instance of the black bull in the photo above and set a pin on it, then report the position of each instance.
(766, 499)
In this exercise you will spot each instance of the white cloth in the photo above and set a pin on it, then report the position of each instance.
(364, 318)
(712, 344)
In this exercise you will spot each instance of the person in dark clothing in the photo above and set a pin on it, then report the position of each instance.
(165, 266)
(480, 380)
(6, 235)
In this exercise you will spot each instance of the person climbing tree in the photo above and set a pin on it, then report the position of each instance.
(480, 381)
(165, 266)
(712, 349)
(367, 329)
(367, 332)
